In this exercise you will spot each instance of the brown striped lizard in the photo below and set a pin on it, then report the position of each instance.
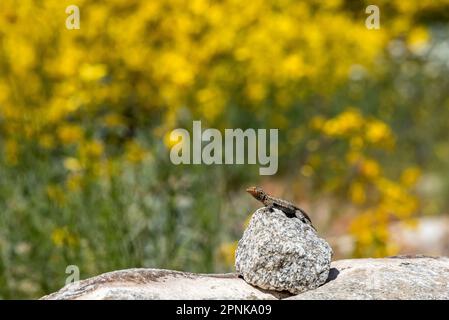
(285, 206)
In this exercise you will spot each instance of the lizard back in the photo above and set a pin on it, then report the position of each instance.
(286, 206)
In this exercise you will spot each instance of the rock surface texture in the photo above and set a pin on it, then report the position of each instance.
(414, 277)
(401, 277)
(159, 284)
(282, 254)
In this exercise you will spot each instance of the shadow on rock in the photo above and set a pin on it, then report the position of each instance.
(333, 274)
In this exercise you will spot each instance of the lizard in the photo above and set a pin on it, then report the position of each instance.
(285, 206)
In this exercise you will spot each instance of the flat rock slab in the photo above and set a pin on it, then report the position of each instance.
(396, 278)
(157, 284)
(406, 277)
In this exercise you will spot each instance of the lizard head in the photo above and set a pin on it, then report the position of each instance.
(256, 192)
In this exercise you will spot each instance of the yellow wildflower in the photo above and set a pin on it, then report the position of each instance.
(69, 133)
(72, 164)
(46, 141)
(370, 168)
(307, 170)
(410, 176)
(93, 72)
(134, 152)
(377, 131)
(74, 182)
(61, 236)
(226, 252)
(317, 122)
(56, 194)
(114, 120)
(346, 122)
(418, 39)
(91, 149)
(357, 193)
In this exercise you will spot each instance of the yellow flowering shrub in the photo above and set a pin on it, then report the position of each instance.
(378, 199)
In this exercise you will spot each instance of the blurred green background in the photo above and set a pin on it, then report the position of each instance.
(85, 116)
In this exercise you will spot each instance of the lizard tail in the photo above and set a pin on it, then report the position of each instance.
(306, 218)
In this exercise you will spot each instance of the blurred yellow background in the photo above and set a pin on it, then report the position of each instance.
(85, 116)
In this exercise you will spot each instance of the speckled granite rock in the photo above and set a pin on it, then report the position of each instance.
(281, 253)
(396, 278)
